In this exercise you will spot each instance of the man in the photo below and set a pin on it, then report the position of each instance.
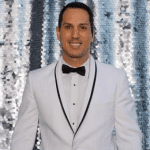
(77, 100)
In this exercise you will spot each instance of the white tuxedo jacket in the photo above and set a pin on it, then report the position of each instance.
(107, 104)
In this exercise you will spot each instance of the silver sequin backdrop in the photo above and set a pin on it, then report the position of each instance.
(28, 41)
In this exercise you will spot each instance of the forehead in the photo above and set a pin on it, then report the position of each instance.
(77, 15)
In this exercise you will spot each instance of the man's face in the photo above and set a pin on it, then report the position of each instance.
(75, 33)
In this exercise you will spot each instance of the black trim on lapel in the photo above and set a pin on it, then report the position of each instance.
(89, 100)
(61, 101)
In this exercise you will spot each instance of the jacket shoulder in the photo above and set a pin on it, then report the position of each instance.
(109, 70)
(47, 70)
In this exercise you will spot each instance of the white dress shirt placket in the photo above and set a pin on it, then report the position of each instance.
(74, 100)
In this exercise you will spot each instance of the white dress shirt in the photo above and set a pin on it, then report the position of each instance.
(75, 88)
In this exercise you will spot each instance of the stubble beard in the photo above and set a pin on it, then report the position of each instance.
(79, 55)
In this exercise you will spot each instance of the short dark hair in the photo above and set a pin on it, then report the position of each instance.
(77, 5)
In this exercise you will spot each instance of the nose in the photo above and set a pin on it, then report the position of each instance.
(75, 33)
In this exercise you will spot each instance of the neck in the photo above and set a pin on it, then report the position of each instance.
(75, 62)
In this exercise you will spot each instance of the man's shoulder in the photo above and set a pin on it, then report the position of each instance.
(109, 70)
(44, 70)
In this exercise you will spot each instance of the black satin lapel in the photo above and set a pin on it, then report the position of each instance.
(89, 100)
(61, 100)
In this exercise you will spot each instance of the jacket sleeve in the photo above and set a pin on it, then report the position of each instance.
(25, 130)
(128, 134)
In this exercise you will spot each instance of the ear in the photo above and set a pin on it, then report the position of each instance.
(92, 38)
(58, 32)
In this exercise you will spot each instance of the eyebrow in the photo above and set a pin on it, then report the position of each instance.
(79, 24)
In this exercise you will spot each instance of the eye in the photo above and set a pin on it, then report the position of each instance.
(67, 27)
(83, 28)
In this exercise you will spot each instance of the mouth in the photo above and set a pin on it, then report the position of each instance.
(75, 45)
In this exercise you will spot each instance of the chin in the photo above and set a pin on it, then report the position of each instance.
(74, 53)
(75, 56)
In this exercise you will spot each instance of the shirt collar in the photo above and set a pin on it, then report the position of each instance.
(86, 64)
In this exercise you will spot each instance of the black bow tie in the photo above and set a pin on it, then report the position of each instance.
(79, 70)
